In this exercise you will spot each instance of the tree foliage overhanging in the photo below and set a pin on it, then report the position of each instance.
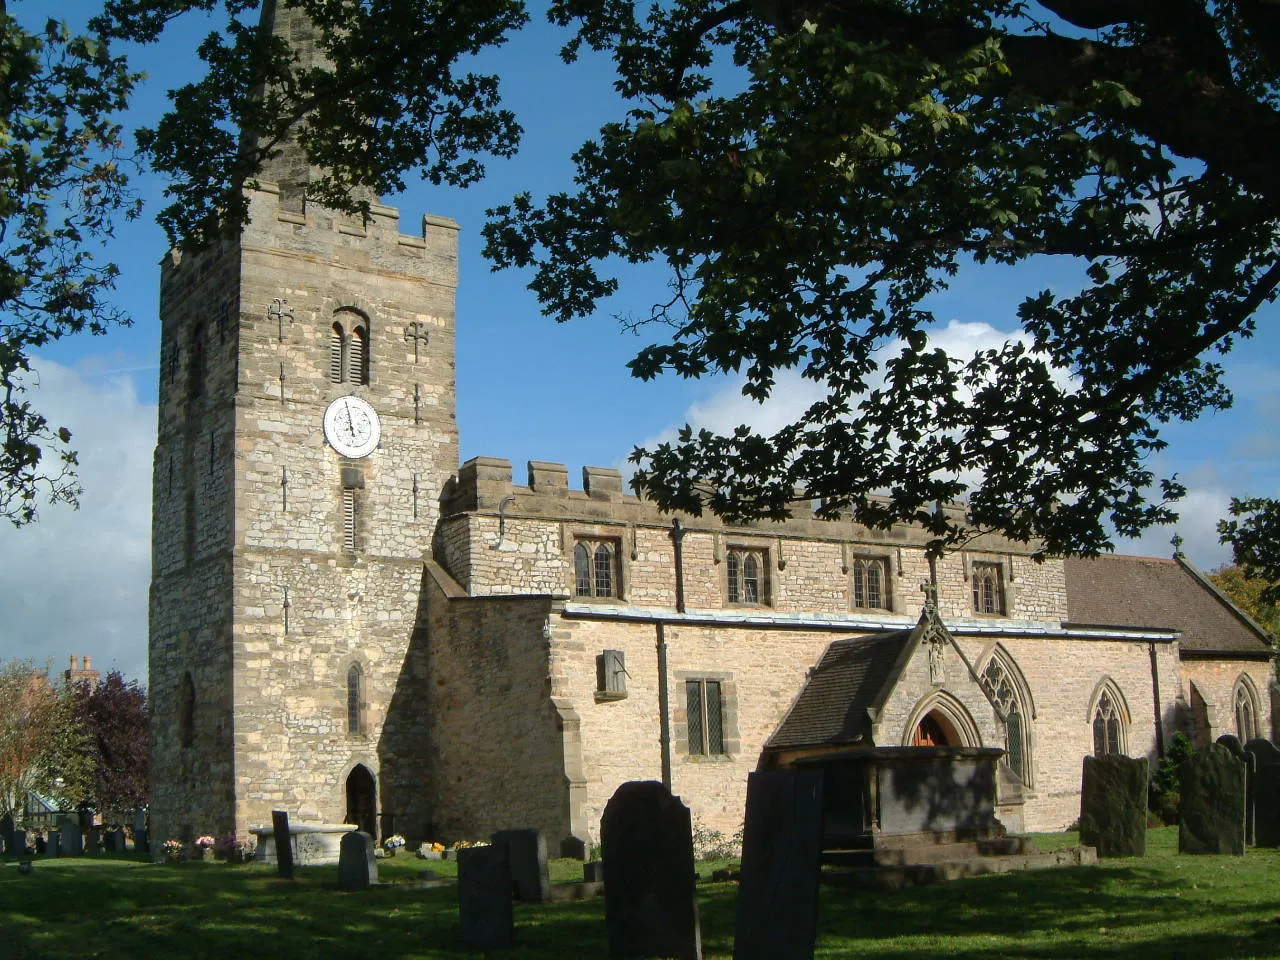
(811, 173)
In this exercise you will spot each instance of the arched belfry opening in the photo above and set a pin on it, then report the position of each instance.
(362, 800)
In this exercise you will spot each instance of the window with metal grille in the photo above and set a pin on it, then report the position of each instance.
(1108, 731)
(358, 356)
(747, 573)
(705, 717)
(350, 518)
(869, 581)
(337, 353)
(595, 568)
(999, 683)
(988, 595)
(355, 723)
(1246, 712)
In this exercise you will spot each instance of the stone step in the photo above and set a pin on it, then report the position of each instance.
(895, 877)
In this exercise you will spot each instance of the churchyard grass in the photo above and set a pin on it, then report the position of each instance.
(1159, 906)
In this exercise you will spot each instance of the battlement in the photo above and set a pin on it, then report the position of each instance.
(484, 485)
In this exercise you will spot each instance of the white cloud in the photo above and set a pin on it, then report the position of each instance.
(76, 582)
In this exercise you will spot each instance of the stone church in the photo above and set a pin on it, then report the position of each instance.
(348, 624)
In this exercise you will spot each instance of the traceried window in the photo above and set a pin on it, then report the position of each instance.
(747, 572)
(1108, 726)
(998, 680)
(595, 568)
(988, 591)
(870, 583)
(337, 353)
(1246, 713)
(355, 683)
(705, 710)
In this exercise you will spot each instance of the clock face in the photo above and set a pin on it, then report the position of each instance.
(351, 426)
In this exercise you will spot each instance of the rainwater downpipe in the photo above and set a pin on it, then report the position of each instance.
(664, 692)
(1155, 696)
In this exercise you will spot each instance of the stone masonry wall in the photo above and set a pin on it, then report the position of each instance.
(1216, 682)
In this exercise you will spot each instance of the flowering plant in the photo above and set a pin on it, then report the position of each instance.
(467, 844)
(393, 841)
(234, 849)
(205, 842)
(173, 849)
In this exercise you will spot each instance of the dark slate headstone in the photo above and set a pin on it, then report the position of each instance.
(42, 845)
(781, 854)
(1212, 814)
(593, 871)
(72, 838)
(284, 848)
(527, 855)
(53, 844)
(486, 919)
(19, 843)
(650, 904)
(114, 840)
(1266, 751)
(1113, 805)
(1265, 792)
(573, 848)
(1232, 743)
(6, 836)
(93, 844)
(357, 866)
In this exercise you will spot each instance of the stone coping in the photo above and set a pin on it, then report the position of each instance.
(307, 828)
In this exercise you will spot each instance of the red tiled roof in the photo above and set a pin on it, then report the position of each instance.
(1120, 591)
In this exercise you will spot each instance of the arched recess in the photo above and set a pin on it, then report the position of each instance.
(362, 799)
(1109, 718)
(355, 323)
(942, 713)
(1011, 694)
(1245, 707)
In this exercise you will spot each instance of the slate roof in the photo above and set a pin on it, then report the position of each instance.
(832, 707)
(1120, 591)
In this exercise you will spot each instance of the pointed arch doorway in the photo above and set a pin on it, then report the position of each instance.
(362, 800)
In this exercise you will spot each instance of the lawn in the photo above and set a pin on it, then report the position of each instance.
(1160, 907)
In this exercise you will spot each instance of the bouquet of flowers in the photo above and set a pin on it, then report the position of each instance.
(393, 842)
(205, 842)
(173, 850)
(431, 851)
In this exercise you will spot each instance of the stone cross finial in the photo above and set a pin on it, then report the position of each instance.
(1177, 545)
(930, 591)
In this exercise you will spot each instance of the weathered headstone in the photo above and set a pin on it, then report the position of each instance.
(1212, 813)
(284, 849)
(781, 860)
(141, 840)
(72, 838)
(573, 848)
(1232, 743)
(357, 867)
(114, 840)
(41, 844)
(1266, 792)
(53, 844)
(527, 855)
(593, 872)
(94, 842)
(19, 843)
(486, 919)
(6, 836)
(1113, 805)
(650, 904)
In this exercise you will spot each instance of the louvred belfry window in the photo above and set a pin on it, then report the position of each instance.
(337, 353)
(358, 356)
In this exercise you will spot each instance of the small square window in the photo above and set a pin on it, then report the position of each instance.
(595, 568)
(748, 576)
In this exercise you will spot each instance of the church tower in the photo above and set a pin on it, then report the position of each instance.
(306, 432)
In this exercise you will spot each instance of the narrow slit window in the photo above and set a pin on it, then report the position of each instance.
(354, 698)
(705, 717)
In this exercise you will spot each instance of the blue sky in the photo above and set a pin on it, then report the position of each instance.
(528, 388)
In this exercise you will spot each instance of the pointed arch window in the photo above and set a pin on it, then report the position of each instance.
(1002, 685)
(355, 697)
(1108, 726)
(337, 353)
(187, 710)
(1245, 708)
(595, 568)
(358, 355)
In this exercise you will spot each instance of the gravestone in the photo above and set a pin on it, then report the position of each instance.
(357, 867)
(650, 904)
(527, 855)
(41, 844)
(114, 840)
(19, 843)
(593, 872)
(53, 844)
(1212, 814)
(284, 849)
(1113, 805)
(573, 848)
(1266, 792)
(6, 835)
(94, 842)
(1232, 743)
(72, 838)
(141, 840)
(486, 919)
(781, 854)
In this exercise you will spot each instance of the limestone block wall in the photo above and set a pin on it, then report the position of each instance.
(916, 693)
(1215, 682)
(496, 737)
(293, 747)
